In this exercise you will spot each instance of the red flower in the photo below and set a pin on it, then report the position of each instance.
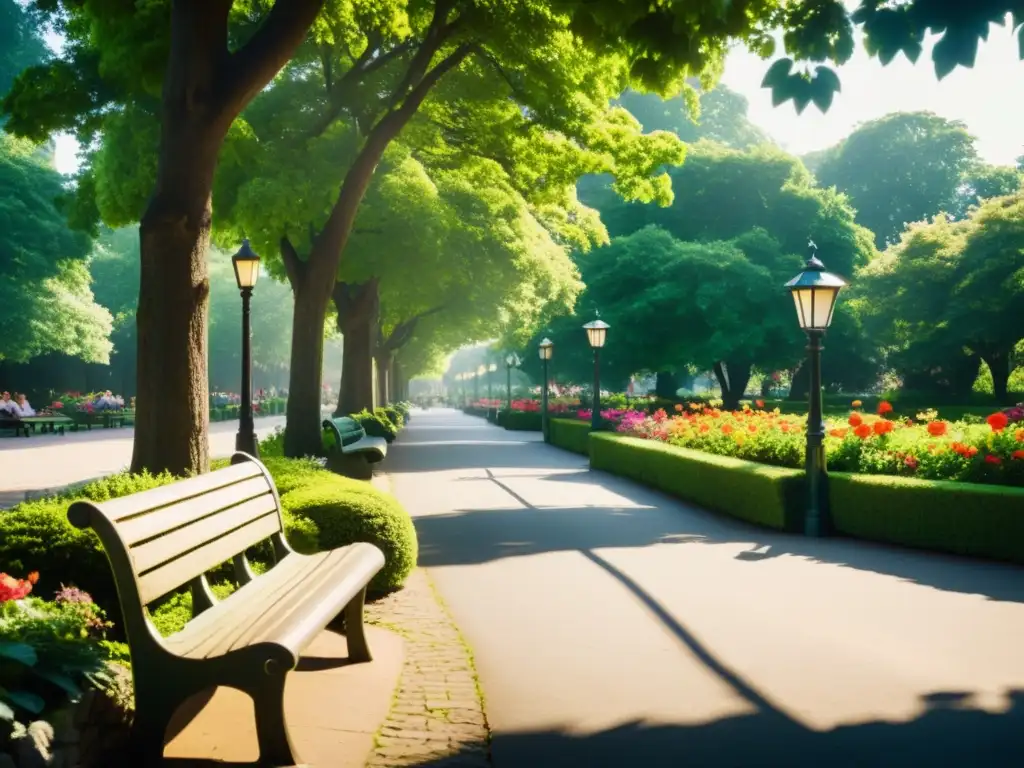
(863, 431)
(759, 403)
(990, 459)
(15, 589)
(1017, 455)
(998, 421)
(910, 462)
(883, 427)
(856, 420)
(884, 407)
(937, 428)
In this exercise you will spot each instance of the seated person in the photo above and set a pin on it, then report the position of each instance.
(6, 404)
(22, 407)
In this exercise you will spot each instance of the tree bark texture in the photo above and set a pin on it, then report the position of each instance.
(384, 382)
(205, 88)
(666, 384)
(733, 377)
(999, 365)
(358, 307)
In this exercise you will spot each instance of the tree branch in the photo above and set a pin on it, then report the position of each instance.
(293, 265)
(255, 64)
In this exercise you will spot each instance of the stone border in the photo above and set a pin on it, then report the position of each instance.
(438, 710)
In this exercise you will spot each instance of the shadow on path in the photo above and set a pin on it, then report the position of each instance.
(474, 536)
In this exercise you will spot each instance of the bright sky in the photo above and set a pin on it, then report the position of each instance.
(989, 98)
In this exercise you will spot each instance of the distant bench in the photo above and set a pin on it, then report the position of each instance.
(168, 537)
(354, 452)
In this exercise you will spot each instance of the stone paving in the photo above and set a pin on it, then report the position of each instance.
(437, 714)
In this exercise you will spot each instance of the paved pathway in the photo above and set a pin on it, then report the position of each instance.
(51, 461)
(614, 626)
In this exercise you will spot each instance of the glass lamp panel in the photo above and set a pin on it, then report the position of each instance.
(596, 336)
(803, 298)
(247, 272)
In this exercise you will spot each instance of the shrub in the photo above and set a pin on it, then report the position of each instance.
(757, 493)
(403, 408)
(570, 435)
(520, 421)
(393, 415)
(376, 425)
(353, 511)
(965, 519)
(272, 444)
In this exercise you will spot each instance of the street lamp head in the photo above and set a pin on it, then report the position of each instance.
(247, 266)
(597, 332)
(546, 349)
(814, 294)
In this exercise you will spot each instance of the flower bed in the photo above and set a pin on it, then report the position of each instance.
(926, 447)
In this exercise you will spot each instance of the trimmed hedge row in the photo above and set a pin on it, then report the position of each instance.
(959, 518)
(757, 493)
(570, 434)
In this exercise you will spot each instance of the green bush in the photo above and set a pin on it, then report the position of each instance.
(393, 415)
(757, 493)
(961, 518)
(376, 424)
(272, 444)
(570, 434)
(403, 408)
(351, 511)
(520, 421)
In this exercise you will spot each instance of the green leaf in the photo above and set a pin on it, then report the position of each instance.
(777, 74)
(27, 701)
(20, 652)
(61, 681)
(824, 87)
(6, 713)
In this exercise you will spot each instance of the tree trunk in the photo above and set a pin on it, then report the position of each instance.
(309, 315)
(172, 408)
(733, 377)
(358, 307)
(384, 380)
(800, 386)
(999, 364)
(666, 385)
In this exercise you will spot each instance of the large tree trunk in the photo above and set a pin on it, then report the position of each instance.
(384, 380)
(733, 377)
(358, 307)
(309, 315)
(999, 365)
(204, 89)
(666, 385)
(800, 386)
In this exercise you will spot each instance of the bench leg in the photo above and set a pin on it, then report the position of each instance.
(146, 745)
(355, 633)
(271, 730)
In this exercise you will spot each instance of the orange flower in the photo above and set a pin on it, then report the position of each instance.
(752, 428)
(679, 408)
(1018, 455)
(704, 428)
(998, 421)
(759, 403)
(1019, 435)
(855, 420)
(883, 427)
(863, 431)
(884, 407)
(33, 577)
(840, 433)
(784, 427)
(937, 428)
(726, 429)
(857, 403)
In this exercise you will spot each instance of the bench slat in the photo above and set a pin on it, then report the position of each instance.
(118, 509)
(201, 533)
(165, 578)
(166, 519)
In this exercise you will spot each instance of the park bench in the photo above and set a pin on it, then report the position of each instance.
(168, 537)
(13, 422)
(354, 452)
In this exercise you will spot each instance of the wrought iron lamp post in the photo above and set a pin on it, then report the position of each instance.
(814, 293)
(597, 333)
(247, 272)
(511, 361)
(547, 348)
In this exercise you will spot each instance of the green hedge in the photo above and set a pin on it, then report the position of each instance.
(520, 421)
(346, 511)
(960, 518)
(570, 434)
(758, 493)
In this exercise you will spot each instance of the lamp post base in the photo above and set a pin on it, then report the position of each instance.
(246, 442)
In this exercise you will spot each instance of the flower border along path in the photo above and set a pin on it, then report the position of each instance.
(438, 709)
